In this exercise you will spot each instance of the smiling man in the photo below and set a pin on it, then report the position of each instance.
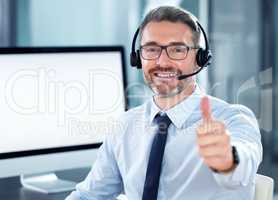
(161, 68)
(182, 143)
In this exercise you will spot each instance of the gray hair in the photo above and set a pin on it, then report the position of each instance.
(173, 14)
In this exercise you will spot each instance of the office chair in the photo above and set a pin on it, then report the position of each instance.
(263, 187)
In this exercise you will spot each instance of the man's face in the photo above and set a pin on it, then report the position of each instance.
(161, 73)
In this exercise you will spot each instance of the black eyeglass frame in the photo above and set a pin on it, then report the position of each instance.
(162, 47)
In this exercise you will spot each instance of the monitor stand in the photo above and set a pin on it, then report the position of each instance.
(46, 183)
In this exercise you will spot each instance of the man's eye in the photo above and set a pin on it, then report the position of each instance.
(152, 49)
(179, 49)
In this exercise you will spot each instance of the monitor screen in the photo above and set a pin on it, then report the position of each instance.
(58, 99)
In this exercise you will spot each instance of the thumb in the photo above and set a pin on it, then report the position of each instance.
(205, 109)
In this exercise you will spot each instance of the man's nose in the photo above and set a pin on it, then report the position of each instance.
(163, 59)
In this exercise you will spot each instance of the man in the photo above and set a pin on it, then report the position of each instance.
(206, 148)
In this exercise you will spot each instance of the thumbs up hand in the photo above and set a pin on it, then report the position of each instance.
(213, 141)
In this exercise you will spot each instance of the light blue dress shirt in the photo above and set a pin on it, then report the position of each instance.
(122, 160)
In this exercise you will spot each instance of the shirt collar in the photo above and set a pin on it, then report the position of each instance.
(180, 112)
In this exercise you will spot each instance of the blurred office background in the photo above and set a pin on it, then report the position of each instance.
(243, 37)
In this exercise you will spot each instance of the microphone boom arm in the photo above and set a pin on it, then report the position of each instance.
(184, 76)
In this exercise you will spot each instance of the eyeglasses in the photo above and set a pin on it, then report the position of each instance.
(175, 51)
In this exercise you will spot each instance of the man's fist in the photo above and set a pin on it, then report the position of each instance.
(214, 141)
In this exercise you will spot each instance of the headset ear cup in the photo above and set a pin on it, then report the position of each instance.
(138, 59)
(203, 57)
(133, 59)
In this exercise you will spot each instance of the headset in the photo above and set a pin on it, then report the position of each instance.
(203, 56)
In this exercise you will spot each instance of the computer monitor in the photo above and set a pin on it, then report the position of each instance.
(55, 106)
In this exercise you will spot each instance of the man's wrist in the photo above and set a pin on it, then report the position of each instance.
(236, 161)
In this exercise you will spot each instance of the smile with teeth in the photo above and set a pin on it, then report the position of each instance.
(165, 74)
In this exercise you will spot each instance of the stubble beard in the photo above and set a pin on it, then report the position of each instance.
(165, 89)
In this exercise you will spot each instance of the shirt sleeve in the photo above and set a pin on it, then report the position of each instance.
(104, 181)
(245, 136)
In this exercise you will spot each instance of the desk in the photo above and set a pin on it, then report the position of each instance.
(11, 189)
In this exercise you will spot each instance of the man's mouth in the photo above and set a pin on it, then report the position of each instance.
(165, 75)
